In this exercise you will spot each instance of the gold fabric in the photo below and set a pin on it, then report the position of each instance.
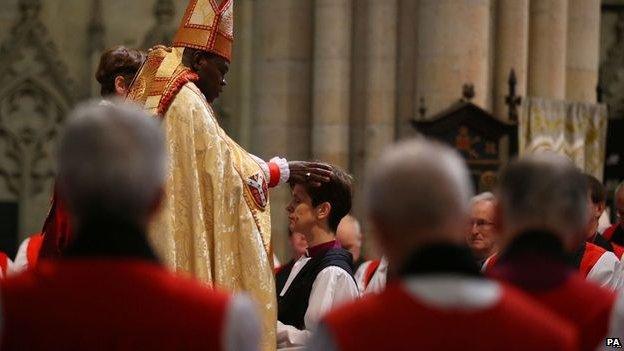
(577, 130)
(208, 25)
(215, 223)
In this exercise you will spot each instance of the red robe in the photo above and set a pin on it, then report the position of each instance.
(396, 320)
(33, 249)
(557, 287)
(590, 257)
(56, 228)
(109, 305)
(608, 234)
(4, 264)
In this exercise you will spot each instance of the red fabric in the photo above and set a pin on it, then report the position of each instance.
(608, 233)
(370, 271)
(489, 264)
(394, 320)
(274, 171)
(582, 303)
(4, 264)
(56, 231)
(33, 248)
(591, 255)
(618, 250)
(109, 305)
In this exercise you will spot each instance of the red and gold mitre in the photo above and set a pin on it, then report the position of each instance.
(208, 25)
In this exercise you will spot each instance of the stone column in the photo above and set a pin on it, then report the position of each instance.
(407, 106)
(547, 48)
(373, 96)
(453, 49)
(583, 50)
(380, 81)
(281, 94)
(331, 87)
(510, 51)
(236, 98)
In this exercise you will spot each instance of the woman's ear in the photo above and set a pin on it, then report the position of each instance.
(323, 210)
(121, 86)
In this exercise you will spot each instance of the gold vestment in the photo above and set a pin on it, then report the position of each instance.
(215, 223)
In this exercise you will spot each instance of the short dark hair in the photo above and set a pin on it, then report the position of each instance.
(337, 192)
(118, 61)
(597, 191)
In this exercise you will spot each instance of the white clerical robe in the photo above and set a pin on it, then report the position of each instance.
(332, 287)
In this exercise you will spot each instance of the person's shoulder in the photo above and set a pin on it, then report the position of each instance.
(593, 248)
(190, 291)
(190, 92)
(367, 308)
(588, 290)
(520, 312)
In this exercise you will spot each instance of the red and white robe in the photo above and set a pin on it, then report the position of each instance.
(417, 312)
(28, 253)
(371, 276)
(5, 265)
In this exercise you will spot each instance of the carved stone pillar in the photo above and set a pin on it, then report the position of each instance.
(331, 81)
(583, 50)
(453, 49)
(281, 92)
(510, 51)
(547, 48)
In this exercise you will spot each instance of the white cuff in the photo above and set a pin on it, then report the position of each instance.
(282, 163)
(263, 165)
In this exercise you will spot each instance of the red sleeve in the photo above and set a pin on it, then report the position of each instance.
(56, 229)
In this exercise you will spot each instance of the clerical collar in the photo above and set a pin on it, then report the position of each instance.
(536, 261)
(321, 249)
(535, 242)
(441, 259)
(108, 239)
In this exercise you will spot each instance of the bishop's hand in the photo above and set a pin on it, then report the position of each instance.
(313, 173)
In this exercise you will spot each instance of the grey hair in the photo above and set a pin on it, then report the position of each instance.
(544, 192)
(112, 161)
(419, 184)
(484, 196)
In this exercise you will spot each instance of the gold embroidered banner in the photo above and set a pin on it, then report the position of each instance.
(577, 130)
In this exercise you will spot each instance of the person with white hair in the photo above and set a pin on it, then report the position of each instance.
(481, 237)
(349, 235)
(542, 216)
(109, 291)
(418, 203)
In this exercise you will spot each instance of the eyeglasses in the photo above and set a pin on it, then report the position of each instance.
(480, 223)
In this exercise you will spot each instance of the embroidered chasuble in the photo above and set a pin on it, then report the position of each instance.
(215, 223)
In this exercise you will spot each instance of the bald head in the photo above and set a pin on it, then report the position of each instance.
(349, 234)
(543, 192)
(418, 194)
(112, 162)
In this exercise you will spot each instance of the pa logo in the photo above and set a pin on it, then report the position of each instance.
(613, 342)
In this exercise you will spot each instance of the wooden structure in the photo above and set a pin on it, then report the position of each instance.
(485, 141)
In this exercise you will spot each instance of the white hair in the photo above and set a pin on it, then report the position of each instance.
(544, 192)
(484, 196)
(419, 185)
(112, 161)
